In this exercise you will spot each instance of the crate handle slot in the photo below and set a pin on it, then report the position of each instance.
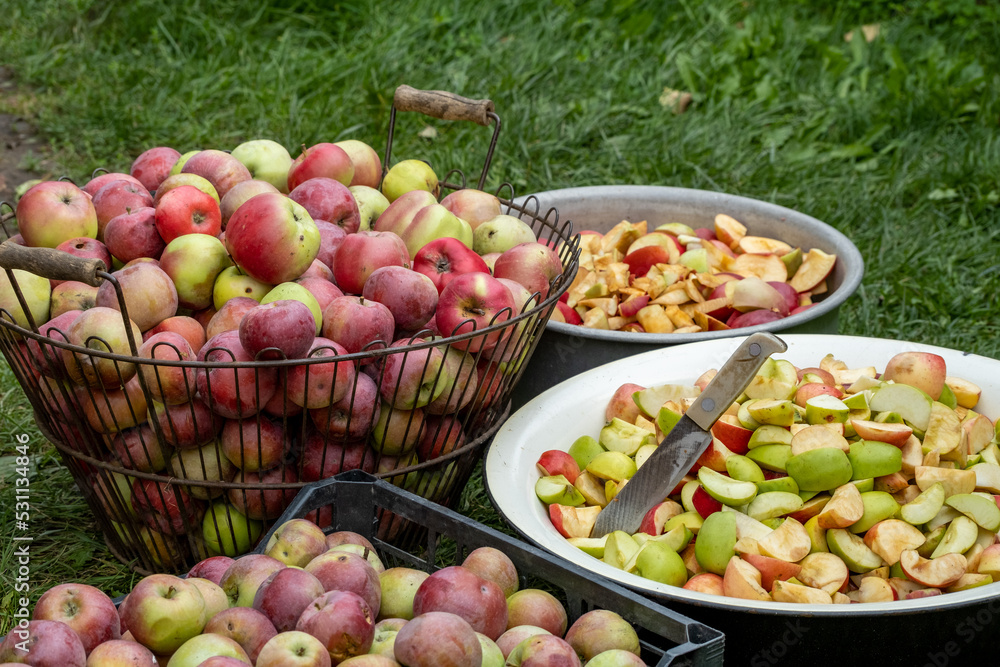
(51, 263)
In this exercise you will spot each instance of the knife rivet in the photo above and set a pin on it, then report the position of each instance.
(754, 349)
(708, 405)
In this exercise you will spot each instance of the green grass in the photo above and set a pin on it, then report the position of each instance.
(892, 142)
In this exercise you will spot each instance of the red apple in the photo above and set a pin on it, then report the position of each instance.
(329, 200)
(601, 630)
(367, 165)
(152, 166)
(360, 254)
(71, 295)
(100, 329)
(86, 609)
(410, 296)
(400, 213)
(97, 182)
(544, 651)
(188, 327)
(285, 594)
(358, 324)
(534, 265)
(347, 571)
(412, 378)
(43, 643)
(444, 258)
(351, 417)
(317, 385)
(234, 393)
(254, 444)
(272, 238)
(171, 384)
(342, 621)
(133, 235)
(461, 591)
(86, 248)
(229, 316)
(121, 653)
(48, 360)
(438, 639)
(239, 194)
(221, 169)
(163, 611)
(493, 565)
(280, 329)
(293, 649)
(558, 462)
(211, 568)
(245, 575)
(117, 198)
(473, 206)
(150, 295)
(440, 435)
(472, 302)
(321, 160)
(322, 289)
(247, 626)
(177, 180)
(330, 238)
(55, 211)
(187, 210)
(260, 501)
(165, 507)
(322, 459)
(187, 425)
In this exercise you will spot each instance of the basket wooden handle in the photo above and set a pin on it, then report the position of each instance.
(51, 263)
(442, 104)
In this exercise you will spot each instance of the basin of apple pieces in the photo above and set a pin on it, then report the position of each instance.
(821, 485)
(315, 600)
(250, 255)
(676, 279)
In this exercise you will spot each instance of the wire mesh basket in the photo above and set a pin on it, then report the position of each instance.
(182, 456)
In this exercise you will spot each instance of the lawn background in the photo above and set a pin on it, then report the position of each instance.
(895, 142)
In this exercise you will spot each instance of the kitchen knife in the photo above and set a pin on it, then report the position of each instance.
(687, 440)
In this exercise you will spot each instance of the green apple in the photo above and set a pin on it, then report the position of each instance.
(777, 378)
(266, 160)
(658, 562)
(744, 469)
(817, 535)
(181, 161)
(666, 419)
(409, 175)
(792, 260)
(695, 259)
(819, 469)
(716, 542)
(677, 538)
(501, 233)
(593, 546)
(768, 434)
(200, 648)
(871, 458)
(771, 457)
(371, 204)
(619, 549)
(231, 282)
(296, 292)
(194, 262)
(725, 489)
(772, 411)
(584, 449)
(786, 484)
(644, 453)
(614, 466)
(37, 293)
(773, 504)
(651, 399)
(621, 436)
(852, 550)
(227, 532)
(981, 508)
(745, 418)
(434, 222)
(687, 494)
(690, 520)
(879, 506)
(826, 409)
(557, 489)
(911, 403)
(959, 537)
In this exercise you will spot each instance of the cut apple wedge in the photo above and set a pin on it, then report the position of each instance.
(873, 589)
(891, 537)
(953, 480)
(592, 489)
(824, 571)
(716, 542)
(658, 515)
(557, 489)
(729, 230)
(989, 562)
(621, 436)
(776, 412)
(767, 434)
(785, 591)
(777, 378)
(729, 431)
(843, 509)
(852, 550)
(816, 437)
(966, 393)
(789, 542)
(959, 538)
(747, 526)
(614, 466)
(574, 521)
(651, 399)
(810, 508)
(987, 477)
(911, 403)
(969, 580)
(944, 429)
(592, 546)
(771, 569)
(619, 549)
(977, 432)
(826, 409)
(932, 573)
(762, 245)
(742, 580)
(815, 267)
(767, 268)
(893, 434)
(773, 504)
(703, 503)
(982, 509)
(726, 489)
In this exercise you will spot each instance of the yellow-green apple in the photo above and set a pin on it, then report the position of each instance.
(138, 448)
(205, 463)
(221, 169)
(432, 222)
(410, 296)
(254, 444)
(121, 653)
(401, 211)
(396, 431)
(616, 658)
(501, 233)
(471, 302)
(272, 238)
(116, 198)
(317, 385)
(187, 425)
(97, 182)
(352, 417)
(43, 643)
(533, 606)
(367, 165)
(444, 258)
(166, 508)
(321, 459)
(86, 609)
(239, 194)
(182, 160)
(163, 611)
(296, 542)
(247, 626)
(187, 210)
(215, 598)
(188, 327)
(438, 639)
(285, 594)
(330, 200)
(322, 160)
(285, 328)
(231, 392)
(152, 166)
(244, 577)
(266, 160)
(601, 630)
(533, 265)
(342, 621)
(258, 503)
(197, 650)
(177, 180)
(293, 649)
(371, 205)
(516, 634)
(399, 585)
(149, 293)
(924, 370)
(168, 383)
(133, 234)
(412, 378)
(359, 254)
(211, 568)
(37, 293)
(232, 282)
(459, 590)
(194, 262)
(409, 175)
(492, 655)
(66, 296)
(541, 650)
(55, 211)
(473, 206)
(103, 329)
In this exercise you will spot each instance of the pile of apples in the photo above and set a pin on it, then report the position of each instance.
(315, 600)
(678, 279)
(247, 256)
(821, 485)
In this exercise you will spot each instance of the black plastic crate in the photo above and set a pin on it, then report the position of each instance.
(364, 504)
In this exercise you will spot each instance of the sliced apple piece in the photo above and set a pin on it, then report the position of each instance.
(969, 580)
(893, 483)
(789, 542)
(652, 523)
(726, 489)
(816, 437)
(744, 469)
(714, 456)
(557, 489)
(819, 469)
(574, 521)
(913, 455)
(954, 481)
(873, 589)
(824, 571)
(815, 267)
(913, 404)
(643, 454)
(987, 477)
(592, 546)
(747, 526)
(584, 449)
(703, 503)
(716, 542)
(852, 550)
(729, 230)
(742, 580)
(826, 409)
(786, 591)
(592, 489)
(844, 508)
(776, 379)
(621, 436)
(762, 245)
(767, 434)
(619, 549)
(891, 537)
(944, 429)
(959, 538)
(732, 434)
(771, 569)
(777, 412)
(810, 508)
(614, 466)
(989, 562)
(774, 504)
(966, 393)
(933, 573)
(978, 431)
(871, 458)
(982, 509)
(767, 268)
(651, 399)
(893, 434)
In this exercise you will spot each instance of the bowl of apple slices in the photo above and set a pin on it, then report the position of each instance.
(850, 495)
(666, 266)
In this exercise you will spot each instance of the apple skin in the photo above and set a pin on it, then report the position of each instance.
(924, 370)
(444, 258)
(533, 265)
(433, 222)
(330, 238)
(461, 381)
(401, 211)
(68, 295)
(86, 248)
(324, 160)
(150, 294)
(361, 253)
(473, 206)
(211, 568)
(152, 166)
(399, 585)
(170, 384)
(55, 211)
(138, 449)
(352, 417)
(86, 609)
(48, 361)
(194, 262)
(37, 293)
(342, 621)
(166, 508)
(250, 628)
(543, 651)
(47, 643)
(296, 542)
(187, 425)
(97, 182)
(266, 160)
(232, 283)
(494, 565)
(163, 611)
(408, 175)
(116, 198)
(272, 238)
(239, 195)
(133, 235)
(187, 210)
(121, 653)
(285, 594)
(177, 180)
(261, 504)
(293, 649)
(461, 591)
(283, 328)
(367, 165)
(413, 378)
(438, 639)
(410, 296)
(317, 385)
(599, 630)
(347, 571)
(254, 444)
(245, 575)
(208, 646)
(501, 233)
(357, 323)
(221, 169)
(105, 329)
(234, 393)
(321, 459)
(329, 200)
(478, 297)
(371, 205)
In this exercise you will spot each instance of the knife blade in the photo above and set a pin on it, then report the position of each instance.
(688, 439)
